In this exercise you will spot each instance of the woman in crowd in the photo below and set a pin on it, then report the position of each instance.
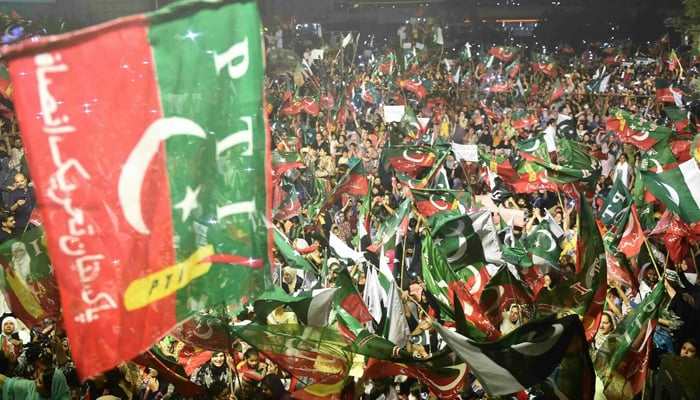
(212, 373)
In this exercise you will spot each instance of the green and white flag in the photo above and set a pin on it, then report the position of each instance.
(543, 244)
(678, 188)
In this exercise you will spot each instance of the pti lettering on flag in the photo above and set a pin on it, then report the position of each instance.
(133, 129)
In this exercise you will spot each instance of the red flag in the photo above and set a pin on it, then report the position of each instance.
(678, 238)
(633, 235)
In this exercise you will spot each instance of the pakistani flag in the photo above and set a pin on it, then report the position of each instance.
(291, 256)
(678, 189)
(566, 127)
(543, 244)
(391, 227)
(155, 201)
(547, 351)
(311, 307)
(455, 236)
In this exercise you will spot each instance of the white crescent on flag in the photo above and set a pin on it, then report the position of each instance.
(134, 171)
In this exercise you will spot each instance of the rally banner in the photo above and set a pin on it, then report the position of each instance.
(146, 138)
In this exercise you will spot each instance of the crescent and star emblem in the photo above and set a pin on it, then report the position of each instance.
(131, 179)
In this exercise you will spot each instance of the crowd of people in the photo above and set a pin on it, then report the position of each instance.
(466, 101)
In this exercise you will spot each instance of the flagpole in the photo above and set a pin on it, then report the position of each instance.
(653, 260)
(232, 372)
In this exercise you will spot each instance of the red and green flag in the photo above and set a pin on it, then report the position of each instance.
(155, 203)
(502, 291)
(513, 69)
(203, 330)
(504, 53)
(623, 361)
(29, 285)
(680, 119)
(500, 87)
(668, 92)
(544, 64)
(320, 354)
(387, 64)
(169, 369)
(447, 288)
(354, 182)
(445, 382)
(432, 201)
(285, 201)
(673, 61)
(349, 299)
(523, 119)
(555, 93)
(632, 234)
(291, 256)
(634, 129)
(413, 84)
(500, 165)
(410, 160)
(394, 225)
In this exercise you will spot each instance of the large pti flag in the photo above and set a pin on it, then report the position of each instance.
(147, 141)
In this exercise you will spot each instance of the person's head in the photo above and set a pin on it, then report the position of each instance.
(8, 221)
(623, 158)
(689, 348)
(252, 358)
(288, 275)
(9, 325)
(43, 383)
(547, 279)
(651, 276)
(381, 384)
(514, 313)
(607, 323)
(218, 358)
(20, 181)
